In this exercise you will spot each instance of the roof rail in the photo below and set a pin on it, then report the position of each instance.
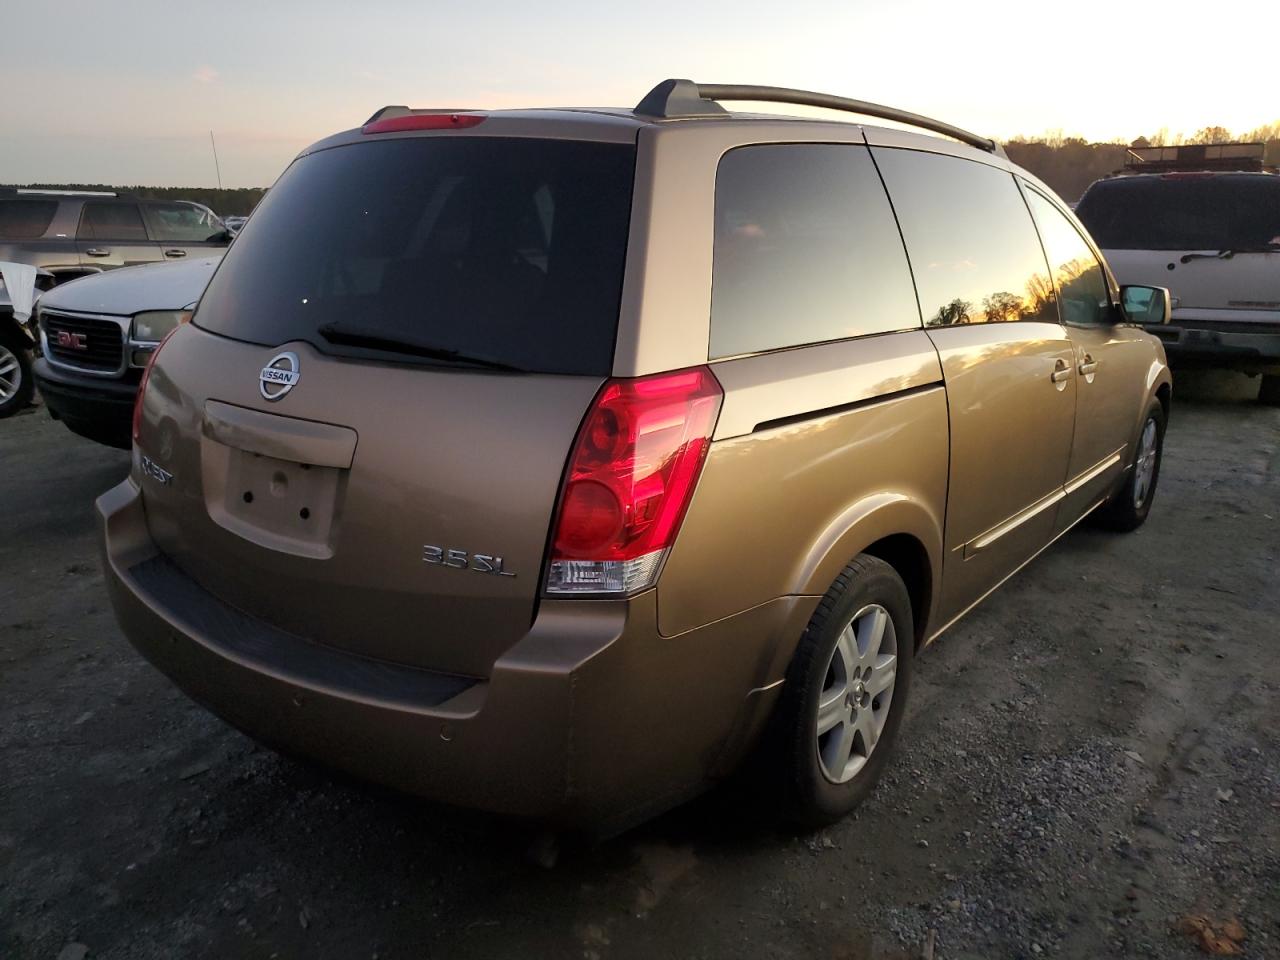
(684, 98)
(24, 191)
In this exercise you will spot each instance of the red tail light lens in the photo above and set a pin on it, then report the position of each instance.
(146, 376)
(424, 121)
(634, 466)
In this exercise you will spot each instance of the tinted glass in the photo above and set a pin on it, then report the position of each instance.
(507, 249)
(1183, 212)
(1077, 275)
(806, 250)
(111, 221)
(26, 219)
(974, 250)
(184, 223)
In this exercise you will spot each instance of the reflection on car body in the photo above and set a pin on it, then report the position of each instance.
(742, 411)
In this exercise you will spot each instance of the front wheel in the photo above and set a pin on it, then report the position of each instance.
(1128, 509)
(16, 384)
(845, 693)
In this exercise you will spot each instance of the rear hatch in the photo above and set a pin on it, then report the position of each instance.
(436, 313)
(1212, 238)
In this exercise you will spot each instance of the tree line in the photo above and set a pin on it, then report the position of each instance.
(1070, 164)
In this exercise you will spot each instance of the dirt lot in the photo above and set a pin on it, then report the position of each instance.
(1089, 758)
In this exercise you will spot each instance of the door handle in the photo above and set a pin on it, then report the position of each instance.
(1087, 366)
(98, 252)
(175, 253)
(1060, 372)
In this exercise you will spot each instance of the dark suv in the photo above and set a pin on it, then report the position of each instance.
(73, 233)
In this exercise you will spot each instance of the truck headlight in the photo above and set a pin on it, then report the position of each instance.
(154, 325)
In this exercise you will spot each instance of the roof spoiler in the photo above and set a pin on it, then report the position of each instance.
(684, 98)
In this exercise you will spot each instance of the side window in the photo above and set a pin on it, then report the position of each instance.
(806, 250)
(1082, 286)
(183, 223)
(111, 221)
(974, 250)
(24, 219)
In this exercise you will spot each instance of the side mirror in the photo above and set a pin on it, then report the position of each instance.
(1146, 305)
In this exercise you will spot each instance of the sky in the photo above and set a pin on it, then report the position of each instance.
(127, 92)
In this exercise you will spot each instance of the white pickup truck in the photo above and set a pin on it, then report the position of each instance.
(96, 334)
(1205, 222)
(20, 286)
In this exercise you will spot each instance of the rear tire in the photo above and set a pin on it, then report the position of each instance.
(1128, 508)
(16, 382)
(1269, 390)
(850, 675)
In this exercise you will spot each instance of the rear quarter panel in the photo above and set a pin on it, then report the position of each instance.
(818, 453)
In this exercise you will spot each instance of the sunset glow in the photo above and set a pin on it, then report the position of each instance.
(128, 93)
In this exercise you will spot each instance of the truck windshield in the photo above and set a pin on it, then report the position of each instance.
(1239, 212)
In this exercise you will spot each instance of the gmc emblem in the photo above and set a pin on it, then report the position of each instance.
(72, 341)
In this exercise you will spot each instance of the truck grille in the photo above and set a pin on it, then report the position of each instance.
(84, 342)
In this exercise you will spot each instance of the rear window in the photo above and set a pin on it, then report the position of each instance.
(1183, 212)
(510, 250)
(26, 219)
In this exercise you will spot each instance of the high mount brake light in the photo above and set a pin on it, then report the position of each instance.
(145, 378)
(424, 121)
(635, 463)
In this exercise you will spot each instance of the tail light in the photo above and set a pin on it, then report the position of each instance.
(146, 376)
(634, 466)
(424, 121)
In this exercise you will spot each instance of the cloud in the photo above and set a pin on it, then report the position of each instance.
(205, 74)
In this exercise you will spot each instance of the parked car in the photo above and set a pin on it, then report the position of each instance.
(552, 462)
(75, 233)
(1206, 223)
(234, 223)
(17, 341)
(96, 336)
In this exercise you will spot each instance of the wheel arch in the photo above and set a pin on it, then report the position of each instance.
(910, 560)
(900, 530)
(1164, 393)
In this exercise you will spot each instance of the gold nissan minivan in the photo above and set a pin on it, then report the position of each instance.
(555, 462)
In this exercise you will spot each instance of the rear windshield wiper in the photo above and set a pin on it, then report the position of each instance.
(336, 333)
(1229, 252)
(1218, 255)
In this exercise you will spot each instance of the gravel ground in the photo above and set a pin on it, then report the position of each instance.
(1089, 759)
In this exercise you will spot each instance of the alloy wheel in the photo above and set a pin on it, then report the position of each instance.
(857, 692)
(1145, 468)
(10, 374)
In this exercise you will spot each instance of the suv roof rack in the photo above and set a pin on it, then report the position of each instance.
(40, 191)
(684, 98)
(1244, 156)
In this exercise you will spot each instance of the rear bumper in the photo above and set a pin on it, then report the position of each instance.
(592, 720)
(99, 408)
(1220, 344)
